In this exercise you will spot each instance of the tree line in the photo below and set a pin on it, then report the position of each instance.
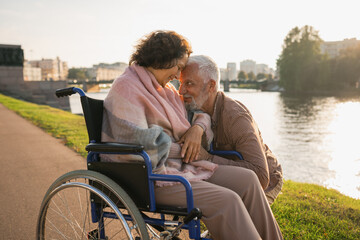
(78, 74)
(303, 68)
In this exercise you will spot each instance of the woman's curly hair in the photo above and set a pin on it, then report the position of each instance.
(160, 50)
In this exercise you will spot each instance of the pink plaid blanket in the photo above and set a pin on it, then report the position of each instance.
(139, 110)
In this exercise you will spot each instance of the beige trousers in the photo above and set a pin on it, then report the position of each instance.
(233, 204)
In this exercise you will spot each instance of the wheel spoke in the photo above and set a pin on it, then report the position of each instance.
(58, 231)
(74, 224)
(66, 209)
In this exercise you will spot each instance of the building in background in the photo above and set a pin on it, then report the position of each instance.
(100, 73)
(333, 49)
(231, 71)
(251, 66)
(51, 69)
(262, 68)
(248, 66)
(223, 74)
(106, 71)
(116, 66)
(13, 73)
(31, 73)
(11, 67)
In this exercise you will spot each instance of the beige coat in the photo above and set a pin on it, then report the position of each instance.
(235, 129)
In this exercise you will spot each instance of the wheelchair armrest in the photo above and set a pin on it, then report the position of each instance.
(227, 153)
(114, 147)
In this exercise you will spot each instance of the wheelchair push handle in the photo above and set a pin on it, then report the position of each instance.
(68, 92)
(64, 92)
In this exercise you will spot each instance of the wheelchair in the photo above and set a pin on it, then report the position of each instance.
(113, 200)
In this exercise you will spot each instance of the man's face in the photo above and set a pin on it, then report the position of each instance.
(192, 88)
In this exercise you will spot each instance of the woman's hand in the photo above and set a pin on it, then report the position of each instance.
(191, 143)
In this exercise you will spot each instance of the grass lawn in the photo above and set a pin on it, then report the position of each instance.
(61, 124)
(303, 211)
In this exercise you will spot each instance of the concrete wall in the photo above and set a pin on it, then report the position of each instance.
(11, 78)
(41, 92)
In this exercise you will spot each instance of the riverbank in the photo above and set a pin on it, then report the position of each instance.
(351, 92)
(303, 211)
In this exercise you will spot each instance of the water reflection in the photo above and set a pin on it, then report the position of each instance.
(316, 139)
(303, 132)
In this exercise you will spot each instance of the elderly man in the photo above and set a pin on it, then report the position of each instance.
(233, 126)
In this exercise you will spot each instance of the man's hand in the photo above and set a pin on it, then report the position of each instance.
(191, 143)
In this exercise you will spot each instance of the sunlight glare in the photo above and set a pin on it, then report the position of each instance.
(344, 138)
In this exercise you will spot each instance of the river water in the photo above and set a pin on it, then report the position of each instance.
(316, 139)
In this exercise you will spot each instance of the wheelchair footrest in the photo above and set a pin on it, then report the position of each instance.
(194, 214)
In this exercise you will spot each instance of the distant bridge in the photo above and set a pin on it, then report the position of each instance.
(246, 84)
(73, 82)
(90, 85)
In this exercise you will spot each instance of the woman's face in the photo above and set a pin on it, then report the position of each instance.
(163, 76)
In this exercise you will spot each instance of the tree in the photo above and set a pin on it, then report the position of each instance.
(270, 77)
(78, 73)
(251, 76)
(348, 66)
(300, 59)
(242, 76)
(341, 72)
(260, 76)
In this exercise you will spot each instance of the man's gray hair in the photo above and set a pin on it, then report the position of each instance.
(207, 68)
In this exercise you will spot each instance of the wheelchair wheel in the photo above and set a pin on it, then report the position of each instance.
(83, 205)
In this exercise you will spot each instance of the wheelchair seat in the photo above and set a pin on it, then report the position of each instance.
(121, 173)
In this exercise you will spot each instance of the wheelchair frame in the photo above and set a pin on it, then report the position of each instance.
(144, 201)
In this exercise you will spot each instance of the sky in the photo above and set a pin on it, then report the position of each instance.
(87, 32)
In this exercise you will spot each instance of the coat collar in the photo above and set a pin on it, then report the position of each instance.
(218, 106)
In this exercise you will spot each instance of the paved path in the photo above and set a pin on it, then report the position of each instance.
(30, 160)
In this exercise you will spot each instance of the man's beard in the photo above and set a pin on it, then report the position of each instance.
(196, 105)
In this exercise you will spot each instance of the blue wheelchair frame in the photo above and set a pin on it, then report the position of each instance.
(193, 226)
(225, 153)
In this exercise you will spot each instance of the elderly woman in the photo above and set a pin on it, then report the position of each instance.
(143, 107)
